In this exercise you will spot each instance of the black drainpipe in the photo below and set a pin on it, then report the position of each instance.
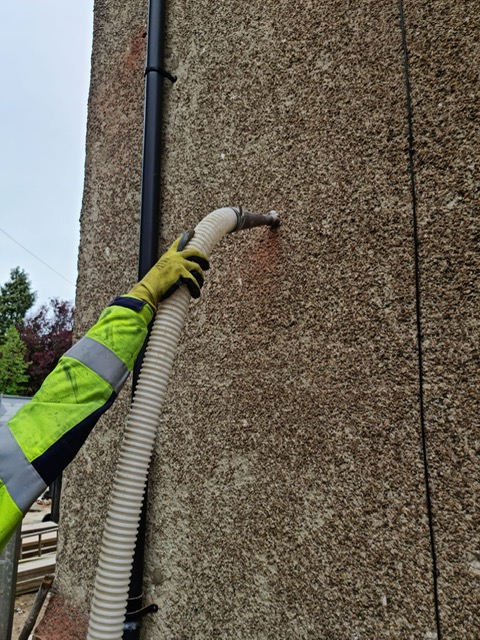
(148, 252)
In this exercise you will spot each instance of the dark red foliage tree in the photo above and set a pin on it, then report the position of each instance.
(47, 335)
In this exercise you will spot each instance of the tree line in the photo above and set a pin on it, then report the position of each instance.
(30, 344)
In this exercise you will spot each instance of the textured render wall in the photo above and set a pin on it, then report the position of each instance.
(288, 494)
(445, 58)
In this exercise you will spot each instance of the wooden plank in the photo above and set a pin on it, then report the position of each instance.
(28, 541)
(31, 572)
(37, 564)
(39, 538)
(49, 537)
(32, 527)
(37, 545)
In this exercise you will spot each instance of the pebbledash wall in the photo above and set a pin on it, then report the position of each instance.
(288, 495)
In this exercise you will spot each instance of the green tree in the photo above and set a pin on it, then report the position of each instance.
(16, 298)
(13, 368)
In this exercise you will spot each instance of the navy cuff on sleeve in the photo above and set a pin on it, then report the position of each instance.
(128, 303)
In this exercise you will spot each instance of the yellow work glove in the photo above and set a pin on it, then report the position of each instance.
(176, 267)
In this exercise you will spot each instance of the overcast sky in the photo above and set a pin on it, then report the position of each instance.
(45, 48)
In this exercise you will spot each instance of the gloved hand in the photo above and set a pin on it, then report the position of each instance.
(176, 267)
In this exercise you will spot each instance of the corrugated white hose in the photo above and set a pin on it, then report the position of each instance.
(116, 556)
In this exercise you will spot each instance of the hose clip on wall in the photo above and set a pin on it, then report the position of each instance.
(109, 602)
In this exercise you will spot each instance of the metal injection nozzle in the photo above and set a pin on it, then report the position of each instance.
(247, 219)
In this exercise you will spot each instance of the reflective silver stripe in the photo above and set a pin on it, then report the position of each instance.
(100, 359)
(23, 482)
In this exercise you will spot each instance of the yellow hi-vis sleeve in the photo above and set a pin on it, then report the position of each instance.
(10, 516)
(46, 434)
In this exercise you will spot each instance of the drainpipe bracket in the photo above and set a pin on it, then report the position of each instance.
(133, 616)
(162, 72)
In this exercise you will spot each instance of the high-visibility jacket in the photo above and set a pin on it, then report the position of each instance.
(46, 434)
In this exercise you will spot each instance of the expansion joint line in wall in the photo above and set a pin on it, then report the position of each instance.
(411, 152)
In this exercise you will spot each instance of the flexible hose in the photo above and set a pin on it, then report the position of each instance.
(116, 555)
